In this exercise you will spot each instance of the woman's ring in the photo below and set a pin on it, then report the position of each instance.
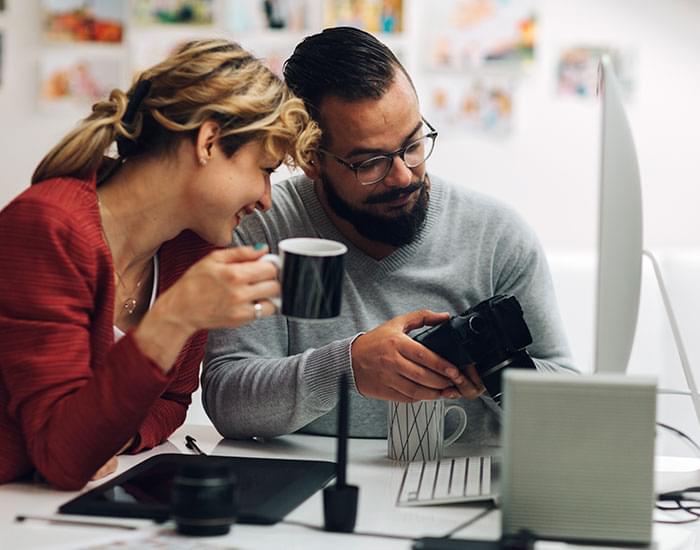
(257, 306)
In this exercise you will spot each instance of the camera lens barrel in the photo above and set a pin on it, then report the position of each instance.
(477, 324)
(204, 499)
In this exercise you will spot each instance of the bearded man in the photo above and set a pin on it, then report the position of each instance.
(417, 246)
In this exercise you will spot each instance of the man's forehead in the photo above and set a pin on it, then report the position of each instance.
(380, 123)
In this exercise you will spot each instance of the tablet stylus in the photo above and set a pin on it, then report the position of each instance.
(79, 522)
(343, 420)
(340, 500)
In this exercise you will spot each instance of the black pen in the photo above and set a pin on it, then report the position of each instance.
(191, 444)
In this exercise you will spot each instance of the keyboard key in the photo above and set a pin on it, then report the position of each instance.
(473, 475)
(486, 476)
(411, 481)
(442, 483)
(459, 474)
(427, 485)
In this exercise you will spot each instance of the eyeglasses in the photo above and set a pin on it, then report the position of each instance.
(375, 169)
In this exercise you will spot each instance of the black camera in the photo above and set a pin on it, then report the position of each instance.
(493, 335)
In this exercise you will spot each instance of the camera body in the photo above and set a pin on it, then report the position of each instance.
(492, 334)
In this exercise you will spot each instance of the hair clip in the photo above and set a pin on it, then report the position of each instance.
(125, 145)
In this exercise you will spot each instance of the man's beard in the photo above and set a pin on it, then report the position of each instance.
(396, 230)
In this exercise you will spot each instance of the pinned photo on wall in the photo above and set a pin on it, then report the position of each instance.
(481, 105)
(464, 35)
(241, 16)
(173, 12)
(146, 47)
(375, 16)
(577, 70)
(83, 20)
(273, 54)
(71, 79)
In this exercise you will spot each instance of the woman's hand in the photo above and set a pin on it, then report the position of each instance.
(109, 467)
(220, 290)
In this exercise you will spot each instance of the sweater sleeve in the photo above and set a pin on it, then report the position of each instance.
(252, 388)
(169, 411)
(75, 403)
(521, 269)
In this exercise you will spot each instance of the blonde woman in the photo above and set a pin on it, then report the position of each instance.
(113, 269)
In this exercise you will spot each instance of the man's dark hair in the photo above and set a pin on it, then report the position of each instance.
(343, 62)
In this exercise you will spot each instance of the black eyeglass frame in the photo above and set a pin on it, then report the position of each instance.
(400, 152)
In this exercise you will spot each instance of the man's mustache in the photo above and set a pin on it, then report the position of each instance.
(394, 194)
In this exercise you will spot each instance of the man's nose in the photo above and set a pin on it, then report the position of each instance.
(399, 174)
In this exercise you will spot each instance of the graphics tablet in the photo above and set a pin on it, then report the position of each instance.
(269, 488)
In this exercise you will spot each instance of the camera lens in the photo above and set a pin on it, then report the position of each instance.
(204, 499)
(477, 324)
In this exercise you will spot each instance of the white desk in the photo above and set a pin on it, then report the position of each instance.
(377, 477)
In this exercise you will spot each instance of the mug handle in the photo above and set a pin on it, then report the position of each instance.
(462, 424)
(277, 261)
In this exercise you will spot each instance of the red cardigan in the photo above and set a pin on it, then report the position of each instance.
(70, 397)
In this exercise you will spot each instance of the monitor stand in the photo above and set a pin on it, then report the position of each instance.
(673, 473)
(688, 373)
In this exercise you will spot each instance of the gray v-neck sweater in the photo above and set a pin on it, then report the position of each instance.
(279, 375)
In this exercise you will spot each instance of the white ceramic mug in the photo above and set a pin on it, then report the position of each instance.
(416, 431)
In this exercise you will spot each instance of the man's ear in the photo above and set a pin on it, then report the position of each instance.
(206, 139)
(313, 169)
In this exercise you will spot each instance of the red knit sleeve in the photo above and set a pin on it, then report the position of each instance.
(168, 413)
(77, 401)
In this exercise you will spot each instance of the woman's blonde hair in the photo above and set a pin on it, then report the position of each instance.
(206, 80)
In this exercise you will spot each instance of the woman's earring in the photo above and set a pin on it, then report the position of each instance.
(202, 161)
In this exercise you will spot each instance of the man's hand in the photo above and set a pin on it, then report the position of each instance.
(388, 364)
(472, 387)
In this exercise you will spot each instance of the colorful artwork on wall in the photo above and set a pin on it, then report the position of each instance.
(169, 12)
(377, 16)
(83, 20)
(146, 47)
(481, 104)
(577, 70)
(72, 78)
(464, 35)
(241, 16)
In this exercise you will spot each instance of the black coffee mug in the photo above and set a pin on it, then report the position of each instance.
(311, 273)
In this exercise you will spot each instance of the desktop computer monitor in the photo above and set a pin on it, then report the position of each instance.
(619, 231)
(620, 248)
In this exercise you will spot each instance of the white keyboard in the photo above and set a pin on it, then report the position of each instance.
(459, 479)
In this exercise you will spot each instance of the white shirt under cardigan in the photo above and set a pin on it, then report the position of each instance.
(279, 375)
(119, 333)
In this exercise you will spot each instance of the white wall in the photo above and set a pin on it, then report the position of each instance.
(547, 168)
